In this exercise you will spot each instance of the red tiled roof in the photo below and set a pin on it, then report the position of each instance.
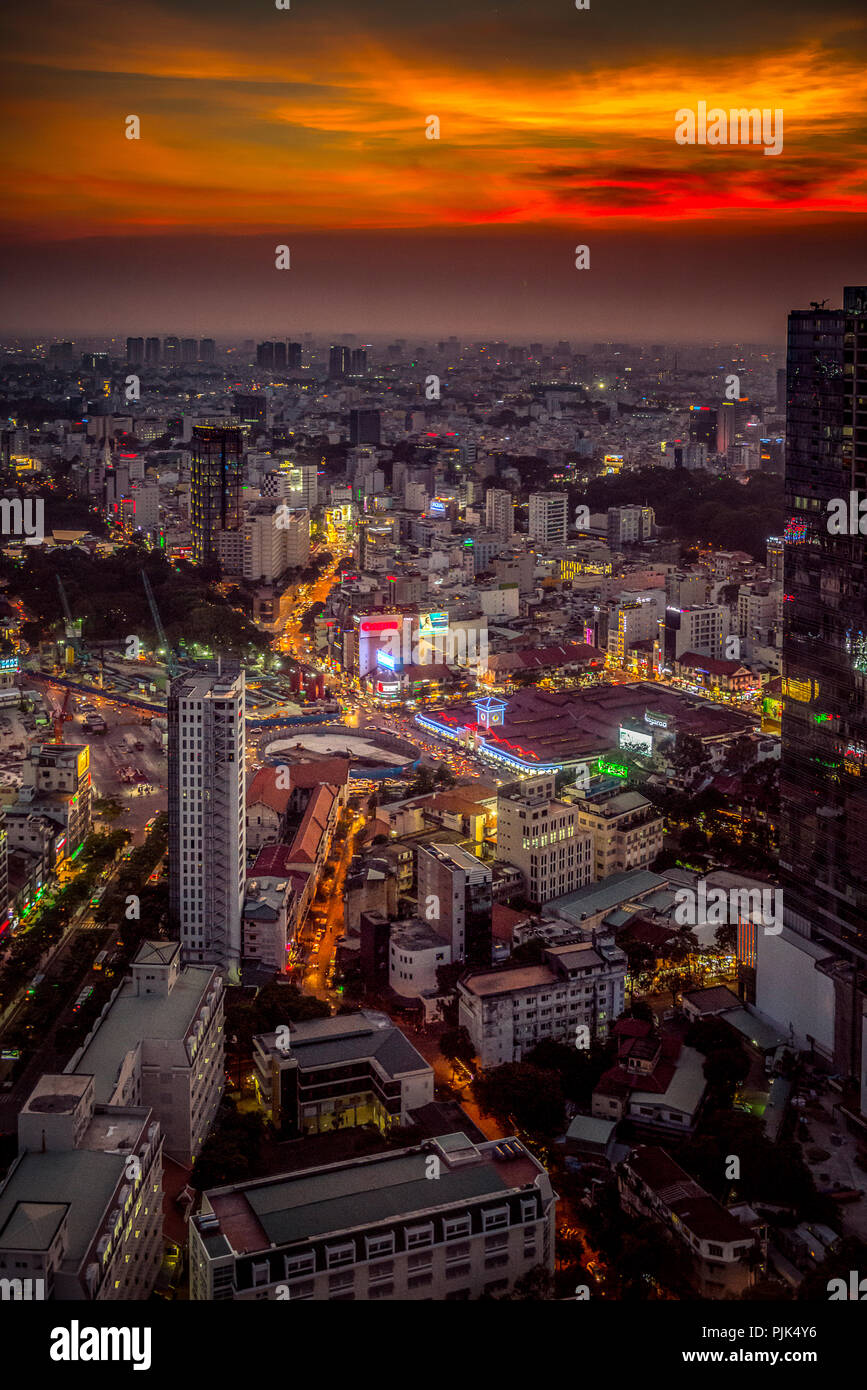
(714, 666)
(306, 843)
(264, 789)
(270, 862)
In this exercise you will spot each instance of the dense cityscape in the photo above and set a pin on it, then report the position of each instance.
(423, 769)
(433, 681)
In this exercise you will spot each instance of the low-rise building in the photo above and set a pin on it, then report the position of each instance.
(160, 1044)
(379, 1228)
(507, 1011)
(727, 1246)
(81, 1206)
(627, 830)
(416, 952)
(656, 1082)
(333, 1073)
(269, 916)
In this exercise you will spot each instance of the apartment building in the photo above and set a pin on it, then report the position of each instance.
(161, 1044)
(56, 783)
(454, 894)
(207, 844)
(81, 1206)
(543, 839)
(701, 629)
(627, 830)
(500, 513)
(270, 914)
(446, 1220)
(507, 1011)
(727, 1246)
(548, 517)
(337, 1073)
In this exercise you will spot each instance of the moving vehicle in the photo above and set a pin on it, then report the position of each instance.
(82, 998)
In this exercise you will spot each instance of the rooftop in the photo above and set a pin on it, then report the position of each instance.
(290, 1208)
(134, 1018)
(323, 1042)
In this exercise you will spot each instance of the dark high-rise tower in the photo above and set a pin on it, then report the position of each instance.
(216, 476)
(824, 765)
(339, 360)
(364, 427)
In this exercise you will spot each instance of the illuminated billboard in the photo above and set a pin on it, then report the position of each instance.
(632, 738)
(430, 623)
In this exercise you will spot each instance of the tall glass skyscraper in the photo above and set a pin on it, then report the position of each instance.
(216, 477)
(823, 856)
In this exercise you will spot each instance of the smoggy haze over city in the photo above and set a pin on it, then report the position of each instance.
(306, 127)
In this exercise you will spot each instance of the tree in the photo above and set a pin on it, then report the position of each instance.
(533, 1287)
(521, 1094)
(456, 1045)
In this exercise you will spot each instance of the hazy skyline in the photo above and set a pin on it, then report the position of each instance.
(306, 127)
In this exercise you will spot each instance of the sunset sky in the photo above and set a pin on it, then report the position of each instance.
(307, 127)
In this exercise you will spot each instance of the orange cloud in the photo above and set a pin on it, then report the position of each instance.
(318, 128)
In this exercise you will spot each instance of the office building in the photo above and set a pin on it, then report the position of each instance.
(216, 477)
(364, 427)
(811, 976)
(701, 629)
(454, 895)
(293, 356)
(160, 1044)
(207, 350)
(135, 351)
(500, 513)
(548, 517)
(508, 1011)
(152, 351)
(207, 834)
(541, 837)
(447, 1220)
(702, 426)
(338, 1073)
(627, 829)
(629, 525)
(81, 1207)
(275, 538)
(338, 361)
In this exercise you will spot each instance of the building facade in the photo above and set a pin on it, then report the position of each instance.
(507, 1011)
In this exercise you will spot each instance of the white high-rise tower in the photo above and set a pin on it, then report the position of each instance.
(207, 827)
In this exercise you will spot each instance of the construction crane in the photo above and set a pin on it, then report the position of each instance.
(73, 627)
(61, 715)
(171, 661)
